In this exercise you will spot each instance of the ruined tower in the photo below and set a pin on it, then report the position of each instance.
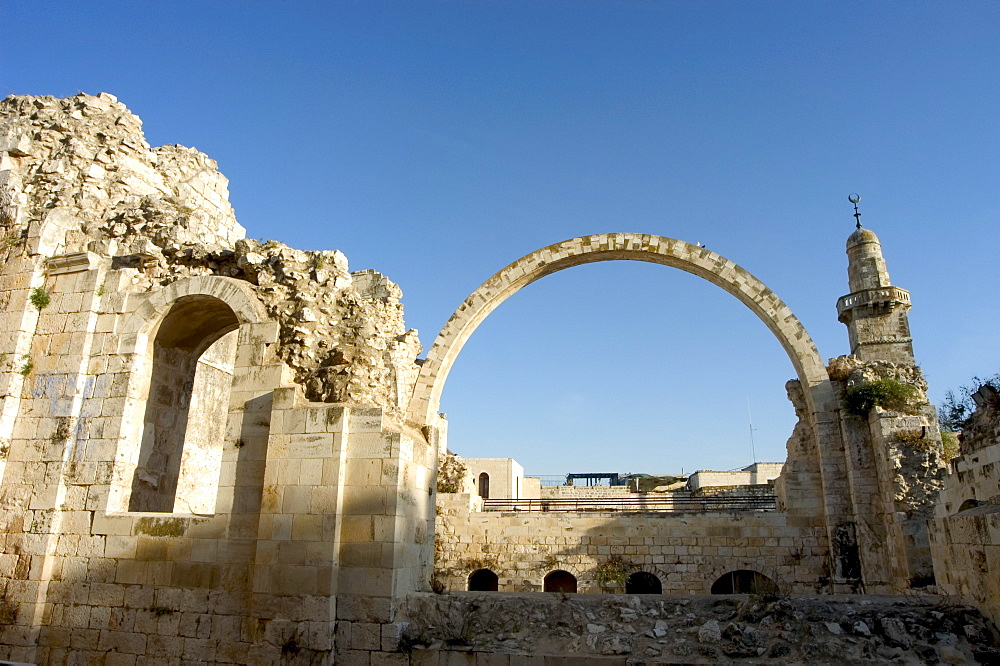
(875, 311)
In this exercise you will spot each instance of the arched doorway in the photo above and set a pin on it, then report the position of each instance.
(483, 580)
(643, 582)
(744, 581)
(560, 581)
(484, 485)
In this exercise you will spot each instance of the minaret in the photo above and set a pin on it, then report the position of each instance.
(875, 311)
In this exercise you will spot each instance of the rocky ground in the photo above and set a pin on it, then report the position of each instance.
(702, 629)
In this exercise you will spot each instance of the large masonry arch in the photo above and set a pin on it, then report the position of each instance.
(694, 259)
(818, 483)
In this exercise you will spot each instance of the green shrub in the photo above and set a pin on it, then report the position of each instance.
(612, 573)
(890, 394)
(40, 297)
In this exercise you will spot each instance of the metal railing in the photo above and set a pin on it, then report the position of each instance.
(550, 479)
(666, 504)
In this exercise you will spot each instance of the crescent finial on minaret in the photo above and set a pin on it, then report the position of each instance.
(854, 199)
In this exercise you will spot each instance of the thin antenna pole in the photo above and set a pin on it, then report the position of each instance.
(753, 450)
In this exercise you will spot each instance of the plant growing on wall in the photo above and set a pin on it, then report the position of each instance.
(40, 297)
(886, 393)
(612, 573)
(949, 440)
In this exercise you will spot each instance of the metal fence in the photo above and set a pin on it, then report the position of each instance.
(666, 504)
(550, 479)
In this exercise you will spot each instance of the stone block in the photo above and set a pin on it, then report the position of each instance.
(365, 636)
(364, 608)
(316, 445)
(122, 641)
(391, 633)
(352, 658)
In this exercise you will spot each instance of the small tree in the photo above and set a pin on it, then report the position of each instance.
(959, 405)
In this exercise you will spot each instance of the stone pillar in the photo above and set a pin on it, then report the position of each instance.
(386, 544)
(295, 570)
(46, 494)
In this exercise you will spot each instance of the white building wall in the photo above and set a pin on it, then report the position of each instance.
(506, 476)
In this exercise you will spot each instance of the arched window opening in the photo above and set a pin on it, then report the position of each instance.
(483, 580)
(186, 408)
(968, 504)
(484, 485)
(744, 581)
(643, 582)
(560, 581)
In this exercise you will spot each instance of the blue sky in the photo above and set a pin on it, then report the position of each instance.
(437, 142)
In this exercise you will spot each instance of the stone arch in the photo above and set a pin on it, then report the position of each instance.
(483, 580)
(560, 580)
(148, 313)
(693, 259)
(744, 581)
(758, 567)
(188, 317)
(968, 504)
(187, 400)
(643, 582)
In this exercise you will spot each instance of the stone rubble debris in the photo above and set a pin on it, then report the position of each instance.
(164, 213)
(702, 628)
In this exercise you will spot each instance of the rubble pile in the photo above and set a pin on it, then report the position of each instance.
(163, 214)
(704, 629)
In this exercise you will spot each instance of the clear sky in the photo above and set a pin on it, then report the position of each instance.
(437, 142)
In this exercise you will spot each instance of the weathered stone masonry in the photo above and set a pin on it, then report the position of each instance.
(219, 450)
(137, 518)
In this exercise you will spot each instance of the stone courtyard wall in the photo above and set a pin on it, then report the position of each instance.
(687, 552)
(965, 531)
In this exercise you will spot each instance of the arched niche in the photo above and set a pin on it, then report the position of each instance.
(171, 342)
(744, 581)
(483, 580)
(560, 581)
(643, 582)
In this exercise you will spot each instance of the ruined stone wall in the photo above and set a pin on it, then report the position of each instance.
(686, 551)
(291, 497)
(293, 505)
(77, 175)
(895, 464)
(965, 531)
